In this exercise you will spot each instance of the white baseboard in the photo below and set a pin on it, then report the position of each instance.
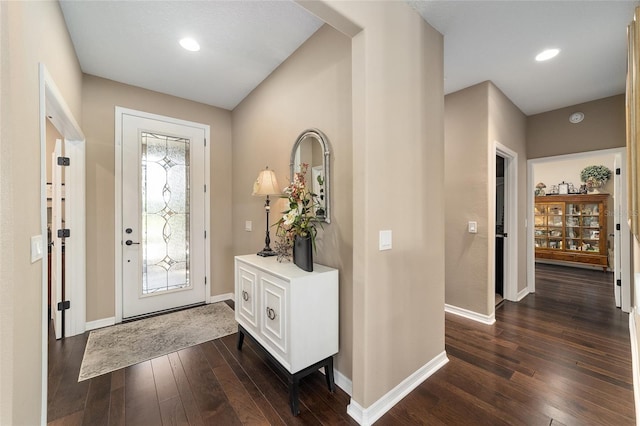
(341, 381)
(485, 319)
(367, 416)
(221, 298)
(104, 322)
(634, 361)
(522, 294)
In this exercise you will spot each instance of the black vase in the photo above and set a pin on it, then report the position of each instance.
(303, 253)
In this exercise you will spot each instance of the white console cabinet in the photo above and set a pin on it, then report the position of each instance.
(292, 314)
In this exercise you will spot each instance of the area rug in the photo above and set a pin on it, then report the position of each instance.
(122, 345)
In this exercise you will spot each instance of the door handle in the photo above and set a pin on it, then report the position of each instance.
(129, 242)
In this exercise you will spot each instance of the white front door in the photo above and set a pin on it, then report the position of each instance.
(163, 215)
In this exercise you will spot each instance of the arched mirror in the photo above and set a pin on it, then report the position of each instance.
(312, 148)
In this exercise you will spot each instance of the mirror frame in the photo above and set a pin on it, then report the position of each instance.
(324, 143)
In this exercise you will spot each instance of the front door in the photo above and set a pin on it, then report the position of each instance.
(163, 215)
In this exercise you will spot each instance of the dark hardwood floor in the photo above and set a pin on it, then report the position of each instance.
(560, 356)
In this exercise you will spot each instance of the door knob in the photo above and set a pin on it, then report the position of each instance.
(129, 242)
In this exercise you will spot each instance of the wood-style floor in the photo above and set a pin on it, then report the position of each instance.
(560, 356)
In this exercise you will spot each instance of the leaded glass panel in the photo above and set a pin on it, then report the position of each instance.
(165, 213)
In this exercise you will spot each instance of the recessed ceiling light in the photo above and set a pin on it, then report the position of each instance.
(190, 44)
(576, 117)
(545, 55)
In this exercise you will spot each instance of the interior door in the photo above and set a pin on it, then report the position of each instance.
(163, 223)
(56, 243)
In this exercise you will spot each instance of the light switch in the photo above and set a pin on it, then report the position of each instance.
(248, 225)
(473, 227)
(385, 240)
(36, 248)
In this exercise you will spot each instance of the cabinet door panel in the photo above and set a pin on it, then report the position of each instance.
(248, 295)
(273, 315)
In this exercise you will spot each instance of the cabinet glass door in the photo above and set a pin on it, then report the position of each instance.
(555, 226)
(590, 228)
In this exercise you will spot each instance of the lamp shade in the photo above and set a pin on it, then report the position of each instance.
(266, 184)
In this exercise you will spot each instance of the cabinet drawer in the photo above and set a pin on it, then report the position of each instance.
(273, 315)
(247, 296)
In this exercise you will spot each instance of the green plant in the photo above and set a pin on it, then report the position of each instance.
(595, 175)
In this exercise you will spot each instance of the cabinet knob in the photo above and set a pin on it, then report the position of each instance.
(245, 295)
(271, 314)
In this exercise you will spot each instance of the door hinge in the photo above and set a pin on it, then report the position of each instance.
(63, 161)
(205, 280)
(617, 226)
(205, 188)
(64, 233)
(205, 234)
(63, 306)
(619, 283)
(618, 171)
(205, 141)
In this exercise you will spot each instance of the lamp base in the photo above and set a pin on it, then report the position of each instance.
(266, 252)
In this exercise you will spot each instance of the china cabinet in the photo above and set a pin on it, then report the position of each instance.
(292, 314)
(571, 228)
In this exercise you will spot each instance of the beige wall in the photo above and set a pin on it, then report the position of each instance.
(32, 32)
(397, 175)
(466, 181)
(100, 97)
(476, 118)
(551, 133)
(507, 125)
(311, 89)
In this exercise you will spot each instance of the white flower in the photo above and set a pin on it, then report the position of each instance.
(290, 217)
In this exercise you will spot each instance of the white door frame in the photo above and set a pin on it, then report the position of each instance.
(624, 234)
(120, 111)
(54, 107)
(510, 287)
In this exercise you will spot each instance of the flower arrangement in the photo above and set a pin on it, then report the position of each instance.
(595, 176)
(300, 219)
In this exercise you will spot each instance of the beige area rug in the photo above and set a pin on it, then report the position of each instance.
(122, 345)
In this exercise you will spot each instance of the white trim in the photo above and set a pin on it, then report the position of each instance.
(522, 294)
(633, 335)
(367, 416)
(485, 319)
(104, 322)
(510, 287)
(119, 112)
(221, 297)
(343, 382)
(52, 104)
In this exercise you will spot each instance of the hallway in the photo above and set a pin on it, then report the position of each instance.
(560, 356)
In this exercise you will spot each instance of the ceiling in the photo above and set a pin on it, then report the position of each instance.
(136, 42)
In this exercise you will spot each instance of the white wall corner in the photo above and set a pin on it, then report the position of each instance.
(368, 416)
(485, 319)
(221, 298)
(633, 335)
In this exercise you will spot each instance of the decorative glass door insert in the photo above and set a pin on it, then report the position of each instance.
(165, 212)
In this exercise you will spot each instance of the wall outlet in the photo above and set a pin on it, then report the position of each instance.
(248, 225)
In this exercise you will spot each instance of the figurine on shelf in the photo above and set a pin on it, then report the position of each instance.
(540, 189)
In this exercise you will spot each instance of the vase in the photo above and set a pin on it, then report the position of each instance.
(303, 253)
